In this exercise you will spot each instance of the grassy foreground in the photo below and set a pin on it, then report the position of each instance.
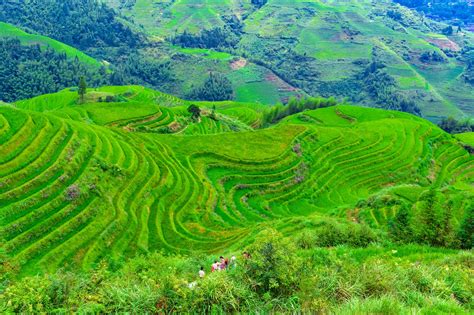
(280, 277)
(322, 199)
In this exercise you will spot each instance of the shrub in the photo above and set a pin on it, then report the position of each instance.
(400, 226)
(122, 296)
(219, 292)
(333, 234)
(466, 230)
(273, 267)
(73, 192)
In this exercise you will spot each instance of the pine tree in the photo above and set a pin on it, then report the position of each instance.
(400, 226)
(82, 89)
(466, 230)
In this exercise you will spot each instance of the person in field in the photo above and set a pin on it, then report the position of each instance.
(233, 262)
(222, 263)
(215, 266)
(202, 273)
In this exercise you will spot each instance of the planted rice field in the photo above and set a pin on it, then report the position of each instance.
(80, 182)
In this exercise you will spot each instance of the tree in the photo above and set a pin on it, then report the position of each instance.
(216, 88)
(259, 3)
(466, 229)
(272, 268)
(195, 111)
(213, 115)
(82, 88)
(400, 226)
(434, 223)
(448, 30)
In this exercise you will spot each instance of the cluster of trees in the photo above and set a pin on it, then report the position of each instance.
(432, 56)
(469, 72)
(217, 37)
(278, 112)
(195, 111)
(432, 223)
(27, 71)
(382, 88)
(88, 25)
(80, 23)
(259, 3)
(134, 67)
(216, 87)
(453, 126)
(444, 9)
(30, 70)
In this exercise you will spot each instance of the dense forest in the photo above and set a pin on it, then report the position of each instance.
(216, 87)
(83, 24)
(460, 10)
(217, 37)
(27, 71)
(88, 25)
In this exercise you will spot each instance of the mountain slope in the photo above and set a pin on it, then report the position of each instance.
(10, 31)
(326, 47)
(83, 182)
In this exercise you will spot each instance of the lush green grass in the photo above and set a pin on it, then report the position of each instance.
(206, 53)
(8, 30)
(86, 181)
(466, 138)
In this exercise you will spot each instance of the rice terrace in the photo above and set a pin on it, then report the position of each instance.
(247, 156)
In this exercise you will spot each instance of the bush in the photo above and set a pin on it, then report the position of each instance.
(333, 234)
(273, 268)
(219, 292)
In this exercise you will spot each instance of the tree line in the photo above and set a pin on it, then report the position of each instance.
(278, 112)
(27, 71)
(454, 126)
(83, 24)
(444, 9)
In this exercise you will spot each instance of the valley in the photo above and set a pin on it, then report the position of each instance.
(236, 156)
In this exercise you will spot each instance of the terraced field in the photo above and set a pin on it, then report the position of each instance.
(79, 183)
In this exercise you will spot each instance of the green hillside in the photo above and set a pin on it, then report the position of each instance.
(81, 182)
(236, 157)
(10, 31)
(324, 47)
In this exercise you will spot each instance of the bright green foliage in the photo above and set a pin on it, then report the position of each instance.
(272, 269)
(466, 230)
(408, 279)
(105, 179)
(128, 172)
(400, 227)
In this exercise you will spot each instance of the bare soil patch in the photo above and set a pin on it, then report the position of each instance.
(445, 44)
(238, 64)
